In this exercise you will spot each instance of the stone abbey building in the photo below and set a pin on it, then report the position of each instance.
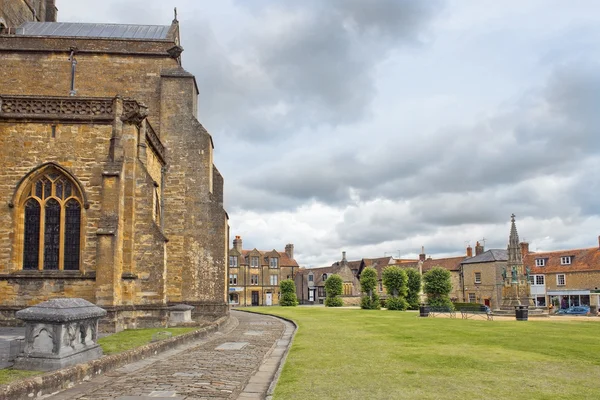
(108, 190)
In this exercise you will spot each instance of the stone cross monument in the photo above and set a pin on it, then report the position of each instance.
(516, 289)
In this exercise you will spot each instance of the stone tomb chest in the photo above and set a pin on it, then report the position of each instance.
(59, 333)
(180, 313)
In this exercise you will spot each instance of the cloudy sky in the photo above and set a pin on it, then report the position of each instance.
(377, 127)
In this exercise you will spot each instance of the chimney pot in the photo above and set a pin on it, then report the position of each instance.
(479, 249)
(237, 243)
(289, 250)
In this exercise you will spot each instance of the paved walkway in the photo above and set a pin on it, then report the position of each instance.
(239, 362)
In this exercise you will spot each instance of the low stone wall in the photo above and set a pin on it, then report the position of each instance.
(351, 301)
(65, 378)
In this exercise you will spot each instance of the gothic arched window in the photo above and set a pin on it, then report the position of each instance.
(51, 223)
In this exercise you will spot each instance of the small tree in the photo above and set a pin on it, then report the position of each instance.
(368, 283)
(288, 293)
(438, 287)
(414, 288)
(333, 291)
(395, 281)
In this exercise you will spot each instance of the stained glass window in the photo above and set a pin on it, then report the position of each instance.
(52, 223)
(31, 248)
(52, 234)
(72, 238)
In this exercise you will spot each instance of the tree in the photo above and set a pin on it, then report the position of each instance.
(414, 288)
(333, 291)
(438, 287)
(368, 283)
(395, 281)
(288, 293)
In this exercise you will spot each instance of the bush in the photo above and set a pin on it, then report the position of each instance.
(396, 303)
(333, 289)
(288, 293)
(370, 302)
(438, 287)
(414, 288)
(333, 301)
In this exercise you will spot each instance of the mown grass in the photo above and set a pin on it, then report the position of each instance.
(360, 354)
(132, 338)
(117, 343)
(9, 375)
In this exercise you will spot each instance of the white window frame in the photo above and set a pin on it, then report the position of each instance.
(472, 298)
(475, 277)
(232, 279)
(273, 279)
(311, 277)
(273, 262)
(565, 260)
(532, 280)
(540, 262)
(540, 280)
(564, 280)
(254, 262)
(233, 262)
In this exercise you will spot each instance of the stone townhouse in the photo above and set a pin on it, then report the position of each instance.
(481, 278)
(564, 278)
(108, 188)
(310, 282)
(254, 275)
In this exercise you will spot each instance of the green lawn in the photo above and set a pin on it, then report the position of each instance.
(360, 354)
(133, 338)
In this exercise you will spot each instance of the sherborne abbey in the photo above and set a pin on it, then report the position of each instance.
(108, 190)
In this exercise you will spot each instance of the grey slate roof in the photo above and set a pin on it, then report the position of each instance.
(112, 31)
(488, 256)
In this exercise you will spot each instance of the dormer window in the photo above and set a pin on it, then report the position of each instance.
(233, 261)
(273, 262)
(324, 277)
(254, 262)
(310, 277)
(566, 260)
(540, 262)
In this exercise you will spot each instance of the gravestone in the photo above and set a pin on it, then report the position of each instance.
(180, 313)
(59, 333)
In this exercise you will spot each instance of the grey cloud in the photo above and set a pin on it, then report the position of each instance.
(548, 136)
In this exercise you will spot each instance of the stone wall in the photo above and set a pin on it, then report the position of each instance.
(15, 12)
(575, 281)
(143, 257)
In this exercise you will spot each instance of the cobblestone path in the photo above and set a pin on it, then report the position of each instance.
(238, 362)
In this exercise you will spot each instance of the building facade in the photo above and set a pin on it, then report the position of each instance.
(109, 192)
(564, 278)
(254, 275)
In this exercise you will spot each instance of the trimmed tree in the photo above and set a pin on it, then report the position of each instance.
(395, 281)
(414, 288)
(288, 293)
(438, 287)
(333, 291)
(368, 283)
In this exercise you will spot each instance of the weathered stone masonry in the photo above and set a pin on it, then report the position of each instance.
(153, 228)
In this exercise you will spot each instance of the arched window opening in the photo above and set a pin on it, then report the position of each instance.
(51, 223)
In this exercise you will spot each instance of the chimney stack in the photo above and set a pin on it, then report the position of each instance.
(289, 250)
(237, 243)
(422, 255)
(479, 249)
(469, 251)
(524, 248)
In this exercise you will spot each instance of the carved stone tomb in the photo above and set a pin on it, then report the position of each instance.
(59, 333)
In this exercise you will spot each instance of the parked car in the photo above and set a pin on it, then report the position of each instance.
(575, 310)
